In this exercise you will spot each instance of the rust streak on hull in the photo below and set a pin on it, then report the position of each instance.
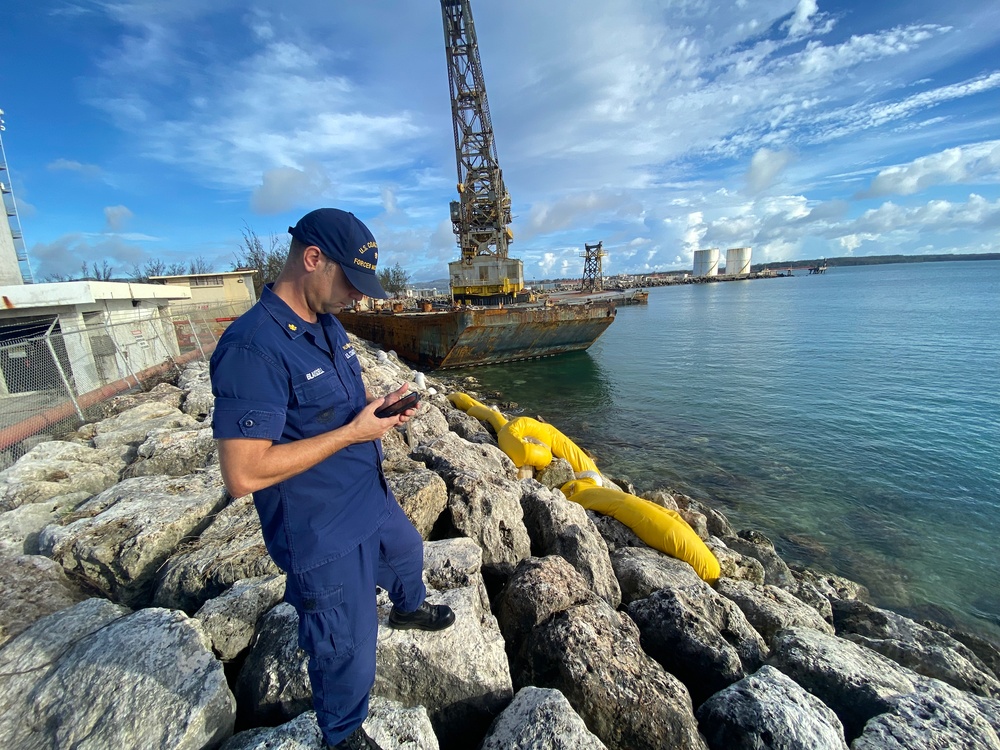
(461, 338)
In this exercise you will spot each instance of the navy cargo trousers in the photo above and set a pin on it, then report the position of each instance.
(338, 620)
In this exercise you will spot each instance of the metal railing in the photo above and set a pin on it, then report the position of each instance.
(56, 371)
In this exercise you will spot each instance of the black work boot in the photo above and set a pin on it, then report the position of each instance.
(425, 617)
(356, 740)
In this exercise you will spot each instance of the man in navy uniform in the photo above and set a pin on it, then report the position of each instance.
(296, 427)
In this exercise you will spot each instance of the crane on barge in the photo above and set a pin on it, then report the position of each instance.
(484, 274)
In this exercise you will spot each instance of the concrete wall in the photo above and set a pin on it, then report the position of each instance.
(10, 272)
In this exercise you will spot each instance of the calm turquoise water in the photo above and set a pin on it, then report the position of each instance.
(853, 417)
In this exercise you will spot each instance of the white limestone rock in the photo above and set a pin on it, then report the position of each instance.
(643, 570)
(488, 510)
(422, 494)
(733, 564)
(230, 619)
(94, 676)
(930, 720)
(20, 527)
(273, 684)
(173, 452)
(561, 635)
(770, 608)
(161, 393)
(854, 681)
(540, 718)
(301, 733)
(558, 526)
(199, 403)
(927, 652)
(396, 726)
(466, 427)
(121, 537)
(230, 549)
(592, 655)
(767, 709)
(756, 545)
(426, 425)
(33, 587)
(392, 725)
(60, 468)
(698, 636)
(451, 456)
(133, 426)
(459, 674)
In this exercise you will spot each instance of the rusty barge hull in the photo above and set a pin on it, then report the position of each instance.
(462, 338)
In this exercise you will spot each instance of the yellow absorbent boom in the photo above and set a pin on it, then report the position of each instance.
(659, 527)
(529, 442)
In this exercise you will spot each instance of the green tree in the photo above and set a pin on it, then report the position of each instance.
(394, 279)
(252, 255)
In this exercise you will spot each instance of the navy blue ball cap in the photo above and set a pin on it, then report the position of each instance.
(345, 239)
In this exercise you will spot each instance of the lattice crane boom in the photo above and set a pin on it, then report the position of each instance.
(481, 216)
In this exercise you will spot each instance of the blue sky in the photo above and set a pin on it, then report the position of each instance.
(802, 128)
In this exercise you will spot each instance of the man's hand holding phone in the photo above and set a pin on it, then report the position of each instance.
(409, 401)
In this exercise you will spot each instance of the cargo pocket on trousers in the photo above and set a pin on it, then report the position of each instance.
(324, 626)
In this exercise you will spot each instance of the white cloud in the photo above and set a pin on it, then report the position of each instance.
(765, 168)
(70, 165)
(389, 202)
(569, 210)
(282, 107)
(116, 217)
(976, 162)
(935, 215)
(616, 122)
(801, 21)
(546, 264)
(286, 188)
(69, 254)
(853, 119)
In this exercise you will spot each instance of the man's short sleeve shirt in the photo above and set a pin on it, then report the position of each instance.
(276, 377)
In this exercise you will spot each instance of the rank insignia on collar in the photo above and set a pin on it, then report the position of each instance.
(292, 327)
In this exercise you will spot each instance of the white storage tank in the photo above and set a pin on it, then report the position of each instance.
(738, 261)
(706, 262)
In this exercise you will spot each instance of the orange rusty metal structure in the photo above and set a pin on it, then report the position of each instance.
(477, 336)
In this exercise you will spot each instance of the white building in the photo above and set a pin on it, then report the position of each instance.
(97, 332)
(216, 289)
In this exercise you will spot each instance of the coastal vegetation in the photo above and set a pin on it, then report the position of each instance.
(875, 260)
(267, 260)
(394, 279)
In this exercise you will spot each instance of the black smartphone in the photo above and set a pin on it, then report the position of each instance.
(409, 401)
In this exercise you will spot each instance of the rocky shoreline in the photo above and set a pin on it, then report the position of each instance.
(142, 610)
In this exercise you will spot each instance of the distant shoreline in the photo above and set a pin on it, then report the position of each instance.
(876, 260)
(795, 265)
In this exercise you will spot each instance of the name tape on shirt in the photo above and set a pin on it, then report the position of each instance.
(348, 350)
(315, 373)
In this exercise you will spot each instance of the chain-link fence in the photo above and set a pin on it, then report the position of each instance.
(55, 371)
